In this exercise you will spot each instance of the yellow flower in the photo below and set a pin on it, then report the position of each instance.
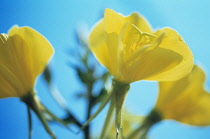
(132, 51)
(24, 54)
(185, 100)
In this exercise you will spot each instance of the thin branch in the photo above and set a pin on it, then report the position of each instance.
(108, 118)
(29, 123)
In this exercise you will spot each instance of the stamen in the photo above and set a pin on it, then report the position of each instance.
(142, 42)
(148, 37)
(3, 38)
(159, 39)
(143, 33)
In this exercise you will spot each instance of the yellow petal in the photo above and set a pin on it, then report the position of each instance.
(173, 41)
(40, 50)
(196, 113)
(97, 43)
(24, 54)
(11, 62)
(185, 100)
(105, 47)
(113, 21)
(139, 60)
(9, 84)
(7, 53)
(129, 37)
(103, 40)
(154, 62)
(140, 22)
(171, 90)
(114, 53)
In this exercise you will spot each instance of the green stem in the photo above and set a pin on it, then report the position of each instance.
(90, 102)
(144, 134)
(59, 99)
(87, 128)
(33, 104)
(120, 91)
(153, 117)
(29, 123)
(98, 111)
(55, 118)
(108, 118)
(137, 131)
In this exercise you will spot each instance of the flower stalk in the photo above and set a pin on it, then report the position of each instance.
(120, 91)
(141, 132)
(32, 102)
(29, 123)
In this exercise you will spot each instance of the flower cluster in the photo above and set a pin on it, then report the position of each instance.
(131, 51)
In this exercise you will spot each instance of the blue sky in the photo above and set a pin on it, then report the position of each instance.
(57, 21)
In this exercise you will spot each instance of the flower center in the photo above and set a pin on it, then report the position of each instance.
(135, 40)
(144, 39)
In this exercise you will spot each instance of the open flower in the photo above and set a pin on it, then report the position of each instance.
(132, 51)
(24, 53)
(185, 100)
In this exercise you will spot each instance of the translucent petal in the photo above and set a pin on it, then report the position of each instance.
(152, 63)
(173, 42)
(130, 38)
(185, 100)
(97, 44)
(9, 84)
(24, 54)
(11, 62)
(134, 40)
(113, 21)
(196, 112)
(21, 52)
(140, 22)
(114, 53)
(39, 49)
(7, 54)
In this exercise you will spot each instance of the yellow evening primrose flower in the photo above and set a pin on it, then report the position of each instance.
(24, 53)
(185, 100)
(132, 51)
